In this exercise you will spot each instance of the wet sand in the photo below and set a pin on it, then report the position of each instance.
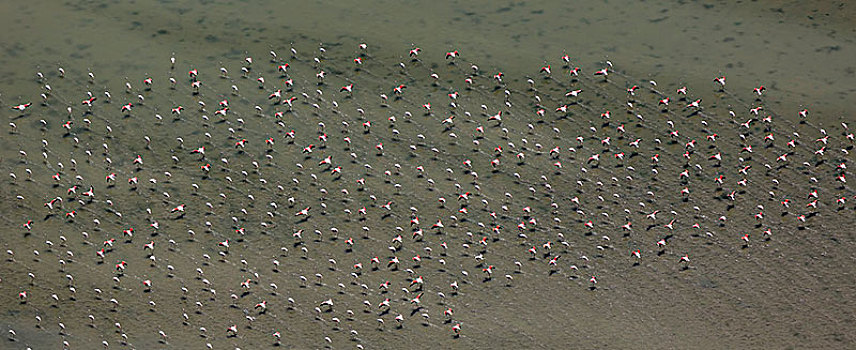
(789, 290)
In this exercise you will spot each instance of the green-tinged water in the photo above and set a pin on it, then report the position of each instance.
(543, 197)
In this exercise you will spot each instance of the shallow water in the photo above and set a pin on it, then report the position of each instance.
(786, 290)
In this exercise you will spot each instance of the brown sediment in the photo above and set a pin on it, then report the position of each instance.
(729, 294)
